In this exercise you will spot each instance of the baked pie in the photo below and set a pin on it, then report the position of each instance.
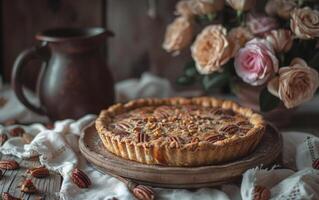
(179, 131)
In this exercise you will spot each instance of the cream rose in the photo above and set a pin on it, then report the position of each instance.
(198, 7)
(281, 8)
(178, 35)
(295, 84)
(211, 49)
(304, 23)
(281, 40)
(241, 5)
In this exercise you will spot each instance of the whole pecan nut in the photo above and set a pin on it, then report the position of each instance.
(80, 178)
(8, 196)
(142, 192)
(39, 172)
(9, 164)
(3, 139)
(261, 193)
(17, 132)
(315, 164)
(28, 187)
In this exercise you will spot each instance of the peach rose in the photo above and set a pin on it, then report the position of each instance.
(211, 49)
(198, 7)
(295, 84)
(178, 35)
(281, 40)
(281, 8)
(241, 5)
(304, 23)
(260, 24)
(256, 63)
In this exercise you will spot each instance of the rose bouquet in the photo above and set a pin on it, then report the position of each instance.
(274, 48)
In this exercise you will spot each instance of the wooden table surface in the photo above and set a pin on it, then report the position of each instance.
(306, 119)
(11, 179)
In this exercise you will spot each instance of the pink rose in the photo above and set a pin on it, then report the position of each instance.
(260, 24)
(256, 63)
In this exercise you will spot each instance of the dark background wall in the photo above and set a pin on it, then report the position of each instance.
(135, 48)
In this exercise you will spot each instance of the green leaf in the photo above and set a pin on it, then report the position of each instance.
(267, 101)
(190, 69)
(214, 80)
(185, 80)
(314, 62)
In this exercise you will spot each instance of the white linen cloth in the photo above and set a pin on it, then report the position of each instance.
(58, 150)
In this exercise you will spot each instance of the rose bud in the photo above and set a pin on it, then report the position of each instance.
(241, 5)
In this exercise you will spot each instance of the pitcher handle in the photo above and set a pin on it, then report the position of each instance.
(16, 79)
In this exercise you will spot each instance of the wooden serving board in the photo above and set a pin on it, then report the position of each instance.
(178, 177)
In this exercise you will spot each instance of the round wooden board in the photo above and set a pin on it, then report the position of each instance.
(178, 177)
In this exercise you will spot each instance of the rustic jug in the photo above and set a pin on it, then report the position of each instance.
(74, 79)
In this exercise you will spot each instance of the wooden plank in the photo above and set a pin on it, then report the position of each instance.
(137, 45)
(21, 20)
(10, 181)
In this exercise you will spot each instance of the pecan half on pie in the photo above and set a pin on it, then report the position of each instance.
(179, 131)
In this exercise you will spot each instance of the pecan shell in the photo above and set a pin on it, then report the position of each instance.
(16, 132)
(261, 193)
(3, 139)
(80, 178)
(28, 187)
(8, 196)
(142, 192)
(315, 164)
(39, 172)
(9, 164)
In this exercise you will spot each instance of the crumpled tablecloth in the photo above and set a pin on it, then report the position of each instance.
(58, 150)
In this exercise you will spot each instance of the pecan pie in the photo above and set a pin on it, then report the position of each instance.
(179, 131)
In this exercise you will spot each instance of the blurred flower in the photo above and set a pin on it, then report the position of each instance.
(198, 7)
(211, 49)
(281, 8)
(240, 35)
(178, 35)
(295, 84)
(260, 24)
(183, 8)
(304, 23)
(256, 62)
(281, 40)
(241, 5)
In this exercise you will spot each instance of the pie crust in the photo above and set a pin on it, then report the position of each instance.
(180, 131)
